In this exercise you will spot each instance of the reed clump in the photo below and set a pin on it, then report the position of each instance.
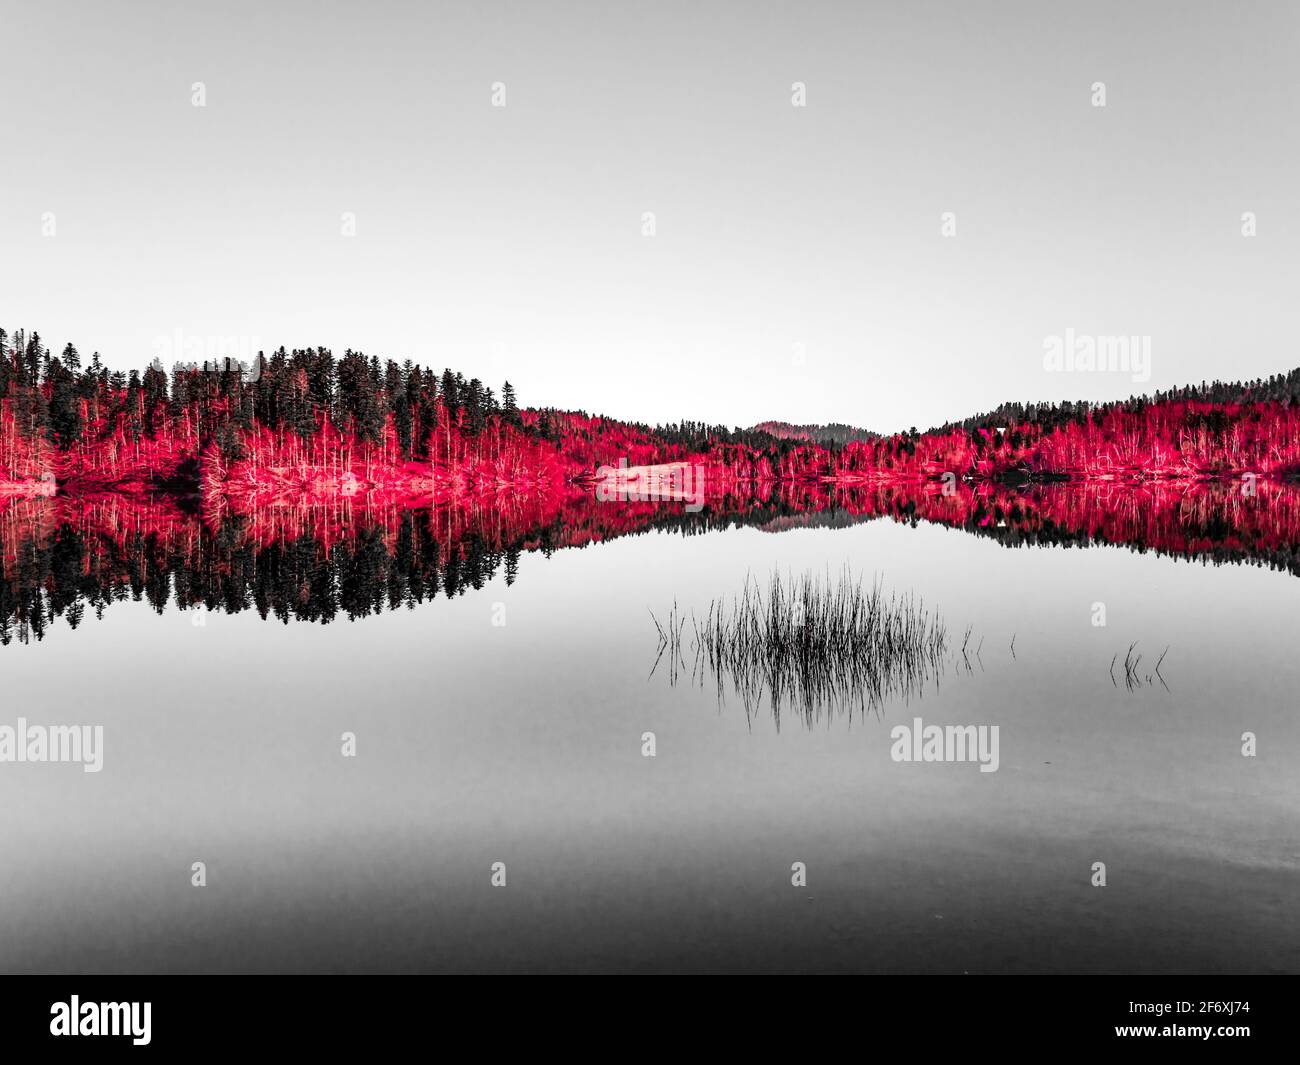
(809, 643)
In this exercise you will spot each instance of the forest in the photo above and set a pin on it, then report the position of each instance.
(307, 426)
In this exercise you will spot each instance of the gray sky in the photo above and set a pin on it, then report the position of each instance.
(797, 269)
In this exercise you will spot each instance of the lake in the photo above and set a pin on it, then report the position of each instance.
(506, 724)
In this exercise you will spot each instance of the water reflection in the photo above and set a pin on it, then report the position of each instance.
(66, 556)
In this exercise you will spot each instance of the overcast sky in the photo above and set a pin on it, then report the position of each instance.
(797, 268)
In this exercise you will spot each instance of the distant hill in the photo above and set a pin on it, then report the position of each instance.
(834, 433)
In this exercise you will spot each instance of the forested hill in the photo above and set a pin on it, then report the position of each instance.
(307, 420)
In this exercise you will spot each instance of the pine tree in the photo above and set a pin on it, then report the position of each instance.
(509, 405)
(66, 423)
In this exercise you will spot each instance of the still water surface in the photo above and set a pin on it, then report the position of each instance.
(521, 743)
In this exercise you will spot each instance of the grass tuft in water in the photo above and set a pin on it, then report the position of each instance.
(809, 643)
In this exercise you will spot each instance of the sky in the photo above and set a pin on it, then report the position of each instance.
(350, 181)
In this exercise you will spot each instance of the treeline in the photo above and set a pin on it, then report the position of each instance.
(71, 401)
(305, 409)
(306, 424)
(1282, 389)
(835, 434)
